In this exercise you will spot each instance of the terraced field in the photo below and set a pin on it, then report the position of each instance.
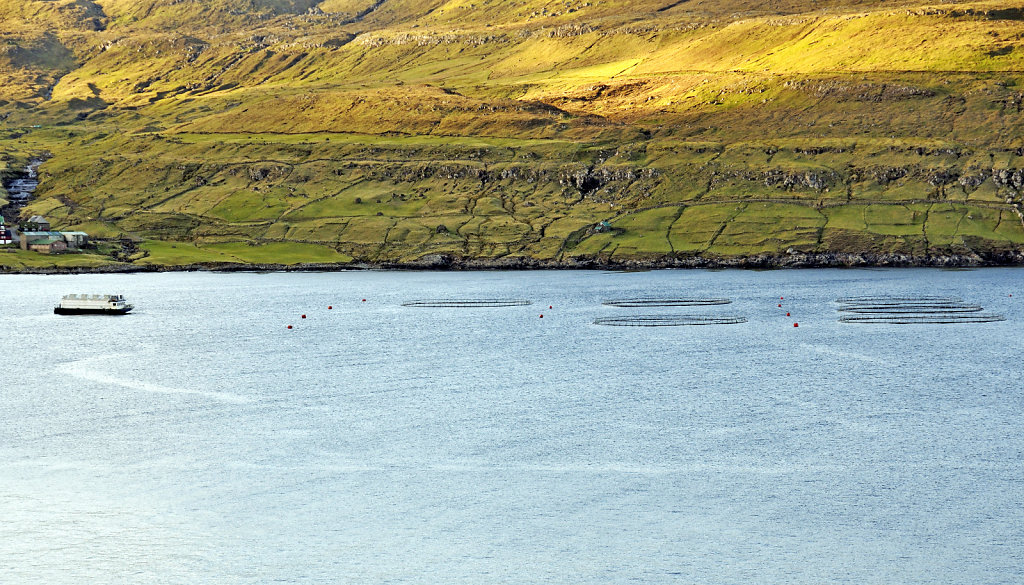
(521, 133)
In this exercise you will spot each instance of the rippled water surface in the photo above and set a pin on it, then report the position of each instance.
(198, 440)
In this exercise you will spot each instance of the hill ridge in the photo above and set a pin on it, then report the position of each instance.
(387, 131)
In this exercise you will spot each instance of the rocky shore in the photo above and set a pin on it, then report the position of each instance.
(443, 262)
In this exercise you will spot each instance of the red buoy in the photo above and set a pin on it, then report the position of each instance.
(329, 307)
(303, 316)
(787, 314)
(782, 298)
(542, 316)
(552, 306)
(780, 305)
(796, 324)
(364, 300)
(289, 326)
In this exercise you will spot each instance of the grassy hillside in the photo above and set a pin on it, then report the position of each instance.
(286, 131)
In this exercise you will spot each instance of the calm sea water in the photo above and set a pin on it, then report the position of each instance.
(198, 440)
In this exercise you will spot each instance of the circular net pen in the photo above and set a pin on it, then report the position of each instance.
(668, 320)
(907, 310)
(664, 302)
(911, 309)
(914, 319)
(467, 303)
(898, 300)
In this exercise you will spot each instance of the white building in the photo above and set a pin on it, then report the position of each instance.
(6, 234)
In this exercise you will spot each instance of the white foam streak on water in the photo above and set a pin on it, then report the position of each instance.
(75, 369)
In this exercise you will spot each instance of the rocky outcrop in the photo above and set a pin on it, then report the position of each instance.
(860, 92)
(781, 179)
(1013, 178)
(587, 180)
(584, 179)
(456, 262)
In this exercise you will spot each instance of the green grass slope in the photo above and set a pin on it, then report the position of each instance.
(290, 131)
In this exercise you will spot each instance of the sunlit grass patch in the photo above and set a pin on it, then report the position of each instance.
(563, 227)
(318, 230)
(1001, 225)
(171, 253)
(368, 230)
(360, 200)
(413, 233)
(846, 217)
(645, 232)
(987, 192)
(502, 230)
(249, 205)
(943, 225)
(698, 225)
(15, 258)
(592, 245)
(770, 228)
(280, 253)
(895, 220)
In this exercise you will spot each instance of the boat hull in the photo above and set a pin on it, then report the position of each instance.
(67, 311)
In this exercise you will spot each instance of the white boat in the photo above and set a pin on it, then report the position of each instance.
(92, 304)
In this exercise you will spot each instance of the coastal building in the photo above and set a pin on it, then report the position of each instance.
(75, 240)
(44, 242)
(6, 235)
(37, 223)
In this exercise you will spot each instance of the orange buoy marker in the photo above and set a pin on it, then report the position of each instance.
(796, 324)
(542, 316)
(289, 326)
(329, 307)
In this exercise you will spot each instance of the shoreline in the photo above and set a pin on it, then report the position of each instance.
(444, 262)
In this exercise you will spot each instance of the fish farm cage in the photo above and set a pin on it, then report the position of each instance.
(467, 303)
(917, 309)
(911, 310)
(937, 319)
(893, 300)
(664, 302)
(668, 320)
